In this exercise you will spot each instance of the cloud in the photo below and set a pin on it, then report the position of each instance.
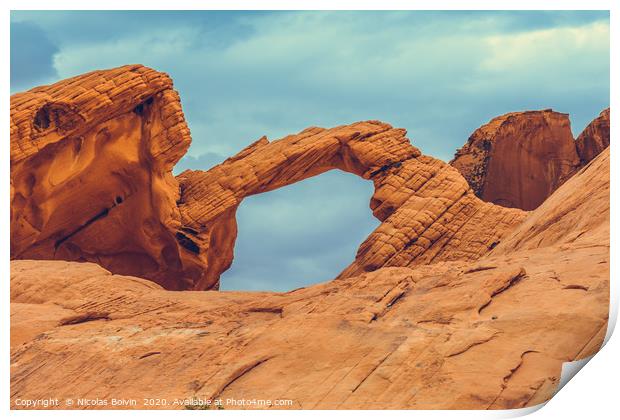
(300, 234)
(32, 55)
(429, 72)
(515, 53)
(242, 75)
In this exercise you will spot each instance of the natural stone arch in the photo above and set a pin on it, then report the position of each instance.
(428, 211)
(91, 180)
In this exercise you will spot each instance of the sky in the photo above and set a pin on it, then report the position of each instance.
(242, 75)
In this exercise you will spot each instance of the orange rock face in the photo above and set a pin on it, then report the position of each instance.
(594, 139)
(99, 187)
(519, 159)
(452, 302)
(485, 334)
(91, 180)
(428, 211)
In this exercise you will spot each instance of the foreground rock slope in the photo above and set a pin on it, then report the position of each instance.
(486, 334)
(452, 302)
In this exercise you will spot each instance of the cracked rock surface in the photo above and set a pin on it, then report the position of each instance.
(452, 302)
(485, 334)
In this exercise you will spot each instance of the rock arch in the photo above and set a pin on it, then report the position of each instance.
(91, 180)
(428, 211)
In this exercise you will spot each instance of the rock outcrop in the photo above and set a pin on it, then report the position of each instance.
(427, 210)
(91, 180)
(594, 138)
(91, 161)
(518, 159)
(452, 302)
(486, 334)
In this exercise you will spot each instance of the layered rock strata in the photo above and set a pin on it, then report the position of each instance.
(427, 210)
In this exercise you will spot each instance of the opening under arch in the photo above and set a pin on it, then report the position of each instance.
(300, 234)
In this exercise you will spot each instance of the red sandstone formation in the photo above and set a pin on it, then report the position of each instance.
(68, 205)
(594, 139)
(452, 302)
(429, 213)
(519, 159)
(485, 334)
(91, 180)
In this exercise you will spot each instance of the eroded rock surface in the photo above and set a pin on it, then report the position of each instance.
(485, 334)
(91, 161)
(91, 180)
(452, 302)
(594, 138)
(518, 159)
(428, 211)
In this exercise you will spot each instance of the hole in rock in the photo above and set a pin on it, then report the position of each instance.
(187, 243)
(301, 234)
(42, 119)
(139, 109)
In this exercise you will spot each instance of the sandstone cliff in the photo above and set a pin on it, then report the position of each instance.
(492, 333)
(518, 159)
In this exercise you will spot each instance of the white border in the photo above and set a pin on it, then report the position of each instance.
(592, 394)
